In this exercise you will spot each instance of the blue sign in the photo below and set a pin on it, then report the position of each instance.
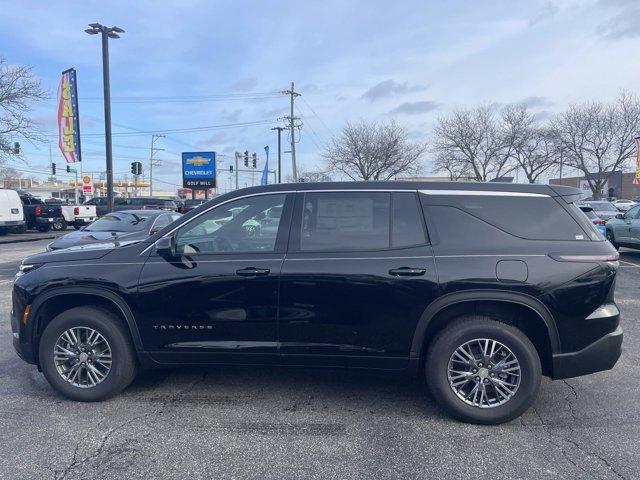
(199, 170)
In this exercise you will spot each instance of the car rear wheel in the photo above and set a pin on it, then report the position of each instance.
(483, 371)
(59, 224)
(86, 355)
(612, 239)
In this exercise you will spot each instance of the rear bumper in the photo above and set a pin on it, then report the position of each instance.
(11, 223)
(46, 220)
(600, 355)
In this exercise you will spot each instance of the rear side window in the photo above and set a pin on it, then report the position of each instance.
(530, 217)
(408, 228)
(345, 221)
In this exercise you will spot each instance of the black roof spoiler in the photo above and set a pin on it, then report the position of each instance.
(568, 194)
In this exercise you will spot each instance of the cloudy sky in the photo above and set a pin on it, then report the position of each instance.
(189, 64)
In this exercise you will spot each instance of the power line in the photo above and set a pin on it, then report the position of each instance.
(318, 117)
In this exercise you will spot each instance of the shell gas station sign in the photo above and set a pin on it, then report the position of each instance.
(87, 185)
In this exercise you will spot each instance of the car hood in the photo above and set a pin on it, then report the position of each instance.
(89, 251)
(84, 237)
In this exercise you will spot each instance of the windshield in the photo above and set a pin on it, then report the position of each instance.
(602, 206)
(120, 222)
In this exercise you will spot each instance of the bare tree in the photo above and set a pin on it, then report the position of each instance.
(18, 89)
(597, 138)
(373, 151)
(531, 145)
(473, 142)
(315, 176)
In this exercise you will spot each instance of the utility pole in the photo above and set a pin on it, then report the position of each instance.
(292, 126)
(106, 33)
(279, 129)
(153, 161)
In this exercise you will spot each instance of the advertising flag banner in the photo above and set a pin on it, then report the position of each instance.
(636, 179)
(68, 117)
(265, 173)
(199, 170)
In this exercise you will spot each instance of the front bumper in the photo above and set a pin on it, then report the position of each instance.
(600, 355)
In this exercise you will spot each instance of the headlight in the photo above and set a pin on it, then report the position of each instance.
(27, 267)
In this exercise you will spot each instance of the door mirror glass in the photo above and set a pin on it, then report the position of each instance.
(166, 246)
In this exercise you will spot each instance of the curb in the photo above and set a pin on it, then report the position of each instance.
(24, 240)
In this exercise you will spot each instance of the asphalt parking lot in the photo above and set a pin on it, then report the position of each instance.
(277, 423)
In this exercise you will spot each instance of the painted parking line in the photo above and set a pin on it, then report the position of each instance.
(629, 264)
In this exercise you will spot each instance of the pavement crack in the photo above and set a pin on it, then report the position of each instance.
(78, 463)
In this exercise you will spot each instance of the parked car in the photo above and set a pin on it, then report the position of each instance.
(595, 219)
(363, 274)
(128, 203)
(78, 215)
(624, 229)
(40, 216)
(604, 209)
(126, 225)
(623, 205)
(11, 212)
(190, 204)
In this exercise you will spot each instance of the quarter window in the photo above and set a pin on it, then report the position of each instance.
(242, 226)
(345, 221)
(408, 228)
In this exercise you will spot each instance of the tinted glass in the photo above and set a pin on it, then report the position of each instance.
(120, 222)
(407, 221)
(243, 225)
(530, 217)
(633, 213)
(345, 221)
(162, 221)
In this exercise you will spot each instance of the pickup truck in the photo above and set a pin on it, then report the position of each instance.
(79, 215)
(39, 215)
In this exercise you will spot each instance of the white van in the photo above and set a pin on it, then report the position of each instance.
(11, 212)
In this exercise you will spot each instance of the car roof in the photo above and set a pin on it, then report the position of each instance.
(552, 190)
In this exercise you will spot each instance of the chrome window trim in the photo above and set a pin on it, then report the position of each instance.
(485, 193)
(355, 190)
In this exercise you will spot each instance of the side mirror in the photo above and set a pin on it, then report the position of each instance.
(620, 216)
(166, 246)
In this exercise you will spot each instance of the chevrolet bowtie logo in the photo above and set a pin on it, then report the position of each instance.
(198, 161)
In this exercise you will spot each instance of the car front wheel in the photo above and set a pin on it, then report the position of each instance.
(86, 355)
(612, 239)
(483, 371)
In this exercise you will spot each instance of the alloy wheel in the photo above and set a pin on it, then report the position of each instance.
(82, 357)
(484, 373)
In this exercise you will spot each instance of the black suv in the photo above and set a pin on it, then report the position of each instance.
(483, 288)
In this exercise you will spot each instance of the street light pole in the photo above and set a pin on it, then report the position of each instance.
(279, 129)
(106, 33)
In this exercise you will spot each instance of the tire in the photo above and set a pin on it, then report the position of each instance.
(3, 231)
(60, 224)
(21, 229)
(43, 228)
(612, 239)
(77, 226)
(122, 370)
(467, 329)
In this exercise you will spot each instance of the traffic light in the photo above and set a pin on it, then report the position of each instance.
(53, 169)
(16, 148)
(230, 168)
(136, 168)
(68, 169)
(246, 158)
(254, 160)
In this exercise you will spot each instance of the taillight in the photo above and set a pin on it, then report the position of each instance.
(38, 210)
(76, 211)
(599, 222)
(560, 257)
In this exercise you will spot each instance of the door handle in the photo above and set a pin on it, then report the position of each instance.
(407, 272)
(252, 272)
